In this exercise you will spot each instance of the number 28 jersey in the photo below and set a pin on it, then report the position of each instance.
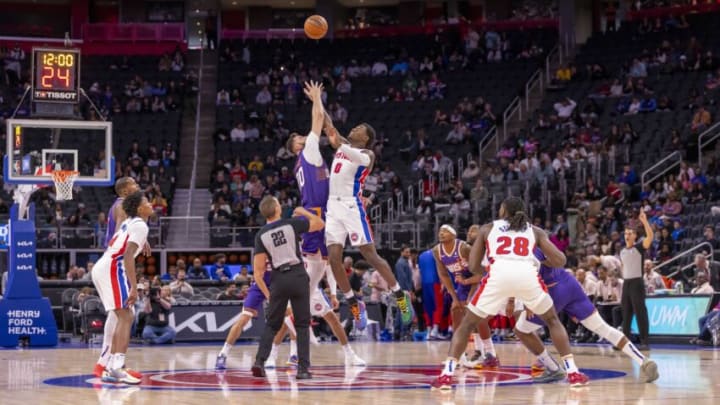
(510, 247)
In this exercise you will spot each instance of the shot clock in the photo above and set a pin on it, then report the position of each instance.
(56, 75)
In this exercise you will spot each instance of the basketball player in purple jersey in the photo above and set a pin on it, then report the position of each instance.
(568, 296)
(124, 186)
(451, 259)
(313, 179)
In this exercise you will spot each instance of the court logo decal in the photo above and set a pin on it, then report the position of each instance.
(324, 378)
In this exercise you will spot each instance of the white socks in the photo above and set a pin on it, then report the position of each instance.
(225, 350)
(569, 362)
(118, 361)
(293, 348)
(347, 350)
(488, 346)
(547, 360)
(450, 365)
(633, 353)
(395, 288)
(108, 332)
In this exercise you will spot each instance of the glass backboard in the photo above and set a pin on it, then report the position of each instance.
(36, 147)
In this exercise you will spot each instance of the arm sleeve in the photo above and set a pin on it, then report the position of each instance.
(355, 155)
(138, 233)
(311, 151)
(300, 225)
(259, 246)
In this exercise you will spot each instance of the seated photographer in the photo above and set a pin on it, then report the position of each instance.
(706, 322)
(157, 309)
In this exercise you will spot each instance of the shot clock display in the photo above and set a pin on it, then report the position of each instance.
(56, 75)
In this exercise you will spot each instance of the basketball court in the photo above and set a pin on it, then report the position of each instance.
(398, 373)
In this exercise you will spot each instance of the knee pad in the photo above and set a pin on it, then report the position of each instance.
(597, 325)
(522, 324)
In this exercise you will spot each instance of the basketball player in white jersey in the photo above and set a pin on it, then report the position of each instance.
(512, 272)
(346, 215)
(116, 282)
(312, 176)
(124, 186)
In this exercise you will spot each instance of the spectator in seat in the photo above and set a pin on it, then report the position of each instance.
(256, 165)
(181, 286)
(648, 104)
(197, 271)
(709, 235)
(701, 119)
(705, 336)
(456, 135)
(610, 291)
(703, 265)
(638, 69)
(358, 275)
(627, 179)
(426, 207)
(264, 97)
(563, 74)
(157, 310)
(672, 207)
(653, 280)
(460, 208)
(565, 108)
(230, 293)
(218, 215)
(219, 271)
(344, 86)
(170, 274)
(238, 133)
(561, 239)
(471, 172)
(75, 273)
(379, 68)
(702, 285)
(223, 97)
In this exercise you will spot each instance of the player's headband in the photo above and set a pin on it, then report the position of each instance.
(449, 228)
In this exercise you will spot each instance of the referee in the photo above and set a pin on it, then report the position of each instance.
(633, 290)
(276, 243)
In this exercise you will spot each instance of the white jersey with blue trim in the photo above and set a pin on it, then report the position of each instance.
(349, 171)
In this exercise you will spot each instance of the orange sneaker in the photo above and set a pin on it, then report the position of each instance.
(98, 370)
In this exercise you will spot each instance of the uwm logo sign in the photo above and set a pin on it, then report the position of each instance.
(202, 322)
(674, 315)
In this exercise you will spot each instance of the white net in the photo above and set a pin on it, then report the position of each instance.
(64, 180)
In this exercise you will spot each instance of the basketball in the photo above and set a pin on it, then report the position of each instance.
(316, 26)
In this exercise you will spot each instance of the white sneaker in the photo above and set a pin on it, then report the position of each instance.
(119, 376)
(271, 361)
(352, 360)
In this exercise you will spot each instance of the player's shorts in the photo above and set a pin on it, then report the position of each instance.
(507, 279)
(346, 217)
(462, 292)
(111, 283)
(254, 299)
(314, 243)
(568, 296)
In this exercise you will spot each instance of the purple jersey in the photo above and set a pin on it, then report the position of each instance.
(314, 183)
(111, 223)
(255, 296)
(565, 291)
(455, 265)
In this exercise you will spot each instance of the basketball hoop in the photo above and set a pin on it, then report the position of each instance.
(64, 180)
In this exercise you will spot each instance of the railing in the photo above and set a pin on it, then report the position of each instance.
(711, 134)
(534, 81)
(674, 159)
(548, 61)
(682, 254)
(486, 141)
(185, 231)
(515, 107)
(196, 136)
(82, 237)
(229, 236)
(145, 32)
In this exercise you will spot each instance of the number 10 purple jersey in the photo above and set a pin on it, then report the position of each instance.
(314, 183)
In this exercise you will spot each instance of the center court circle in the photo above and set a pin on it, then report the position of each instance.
(324, 378)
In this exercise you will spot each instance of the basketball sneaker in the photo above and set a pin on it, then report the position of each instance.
(490, 361)
(406, 311)
(100, 369)
(549, 376)
(577, 379)
(292, 361)
(537, 367)
(353, 360)
(354, 308)
(119, 376)
(271, 361)
(442, 383)
(221, 362)
(468, 362)
(649, 369)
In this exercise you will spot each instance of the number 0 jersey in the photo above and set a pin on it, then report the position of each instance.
(504, 245)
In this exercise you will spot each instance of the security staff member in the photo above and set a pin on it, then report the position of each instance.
(633, 289)
(277, 243)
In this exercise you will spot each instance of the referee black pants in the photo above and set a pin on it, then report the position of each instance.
(633, 302)
(294, 286)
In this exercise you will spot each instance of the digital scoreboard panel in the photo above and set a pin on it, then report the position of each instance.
(56, 75)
